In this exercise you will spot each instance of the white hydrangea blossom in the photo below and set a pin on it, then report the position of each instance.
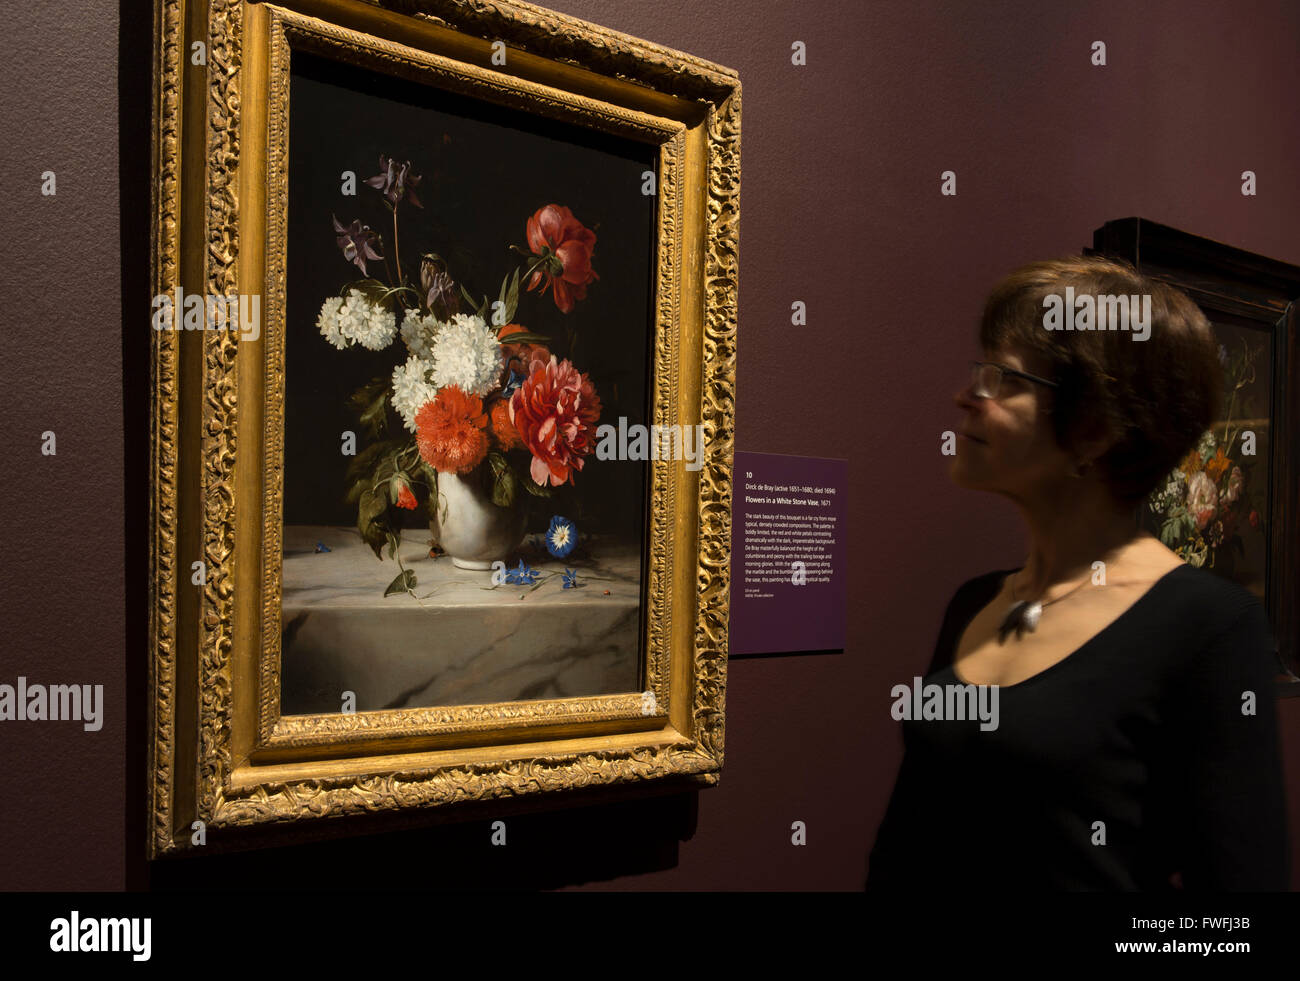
(1166, 498)
(419, 333)
(345, 320)
(328, 322)
(369, 324)
(1207, 444)
(410, 389)
(466, 354)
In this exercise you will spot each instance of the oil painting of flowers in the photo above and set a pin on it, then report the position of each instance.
(469, 300)
(1212, 508)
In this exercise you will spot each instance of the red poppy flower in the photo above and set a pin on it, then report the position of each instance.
(555, 413)
(451, 431)
(405, 499)
(565, 246)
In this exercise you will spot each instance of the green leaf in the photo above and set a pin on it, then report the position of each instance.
(362, 470)
(370, 402)
(431, 505)
(404, 583)
(501, 297)
(1169, 531)
(504, 484)
(384, 472)
(372, 289)
(536, 489)
(479, 308)
(512, 297)
(372, 505)
(430, 476)
(504, 490)
(526, 337)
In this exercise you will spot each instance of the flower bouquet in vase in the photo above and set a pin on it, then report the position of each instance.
(1206, 503)
(488, 413)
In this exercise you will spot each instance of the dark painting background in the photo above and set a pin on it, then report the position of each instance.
(484, 171)
(841, 208)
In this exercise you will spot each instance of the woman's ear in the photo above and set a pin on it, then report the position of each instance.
(1091, 440)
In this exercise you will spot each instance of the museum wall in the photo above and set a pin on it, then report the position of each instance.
(840, 208)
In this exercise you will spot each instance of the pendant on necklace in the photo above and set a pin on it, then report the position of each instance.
(1021, 616)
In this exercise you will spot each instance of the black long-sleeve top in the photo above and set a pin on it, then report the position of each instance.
(1137, 739)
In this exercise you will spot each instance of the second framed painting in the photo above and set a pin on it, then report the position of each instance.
(455, 458)
(1231, 505)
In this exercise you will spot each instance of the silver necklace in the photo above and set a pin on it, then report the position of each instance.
(1023, 616)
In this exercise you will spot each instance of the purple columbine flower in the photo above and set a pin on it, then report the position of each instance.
(437, 285)
(395, 181)
(357, 242)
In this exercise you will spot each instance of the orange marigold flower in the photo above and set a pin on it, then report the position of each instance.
(502, 428)
(1191, 463)
(1217, 465)
(451, 431)
(522, 358)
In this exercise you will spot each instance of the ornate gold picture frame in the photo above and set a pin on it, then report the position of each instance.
(223, 757)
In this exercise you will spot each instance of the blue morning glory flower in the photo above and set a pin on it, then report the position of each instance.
(515, 380)
(322, 547)
(561, 537)
(524, 575)
(570, 577)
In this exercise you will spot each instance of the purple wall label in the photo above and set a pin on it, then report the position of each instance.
(788, 587)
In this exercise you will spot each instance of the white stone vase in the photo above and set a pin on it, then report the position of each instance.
(469, 527)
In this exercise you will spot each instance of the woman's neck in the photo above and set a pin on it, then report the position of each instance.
(1069, 531)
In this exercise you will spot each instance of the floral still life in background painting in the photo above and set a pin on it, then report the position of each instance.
(1204, 505)
(489, 413)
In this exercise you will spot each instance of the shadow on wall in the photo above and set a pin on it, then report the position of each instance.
(548, 850)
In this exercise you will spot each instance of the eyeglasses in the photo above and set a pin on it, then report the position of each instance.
(986, 377)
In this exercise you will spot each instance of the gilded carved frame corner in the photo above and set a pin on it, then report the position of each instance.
(219, 751)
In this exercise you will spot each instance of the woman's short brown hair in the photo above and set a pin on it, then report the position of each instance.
(1153, 398)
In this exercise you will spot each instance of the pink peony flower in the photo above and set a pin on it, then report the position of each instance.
(555, 413)
(1202, 499)
(1235, 482)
